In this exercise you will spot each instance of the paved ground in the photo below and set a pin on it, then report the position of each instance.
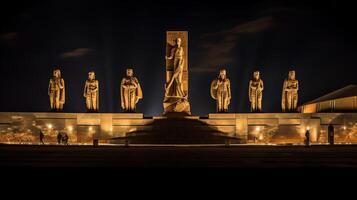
(237, 157)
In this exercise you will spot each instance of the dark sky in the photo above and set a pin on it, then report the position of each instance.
(317, 39)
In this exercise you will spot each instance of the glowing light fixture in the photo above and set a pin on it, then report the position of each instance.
(90, 128)
(49, 126)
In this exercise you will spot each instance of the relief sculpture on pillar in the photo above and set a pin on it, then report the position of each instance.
(176, 87)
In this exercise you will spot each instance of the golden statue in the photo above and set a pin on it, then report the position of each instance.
(289, 97)
(130, 91)
(176, 87)
(56, 91)
(221, 91)
(91, 93)
(256, 87)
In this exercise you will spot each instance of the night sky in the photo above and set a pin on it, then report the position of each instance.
(317, 39)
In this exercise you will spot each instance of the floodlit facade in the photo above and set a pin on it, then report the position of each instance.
(342, 100)
(250, 128)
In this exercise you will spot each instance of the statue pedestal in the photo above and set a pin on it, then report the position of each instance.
(129, 115)
(176, 115)
(221, 116)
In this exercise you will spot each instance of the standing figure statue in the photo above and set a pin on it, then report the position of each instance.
(289, 97)
(221, 91)
(91, 93)
(56, 91)
(130, 92)
(175, 87)
(256, 87)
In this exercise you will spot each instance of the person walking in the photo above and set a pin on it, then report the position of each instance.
(331, 134)
(42, 136)
(59, 138)
(307, 138)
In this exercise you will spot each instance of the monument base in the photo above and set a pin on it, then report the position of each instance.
(179, 128)
(221, 115)
(176, 114)
(176, 105)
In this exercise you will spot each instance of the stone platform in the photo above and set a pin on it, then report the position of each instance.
(82, 128)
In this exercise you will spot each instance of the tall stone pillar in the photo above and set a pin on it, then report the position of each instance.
(176, 86)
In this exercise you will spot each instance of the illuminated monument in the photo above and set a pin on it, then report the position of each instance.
(56, 91)
(91, 93)
(130, 92)
(256, 87)
(289, 97)
(341, 100)
(176, 87)
(178, 126)
(221, 91)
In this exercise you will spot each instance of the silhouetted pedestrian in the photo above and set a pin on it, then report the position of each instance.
(59, 138)
(307, 138)
(331, 134)
(42, 136)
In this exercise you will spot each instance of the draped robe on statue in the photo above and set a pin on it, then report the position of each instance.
(176, 87)
(130, 93)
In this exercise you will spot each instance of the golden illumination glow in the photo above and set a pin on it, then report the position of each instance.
(308, 128)
(49, 126)
(70, 128)
(257, 128)
(90, 128)
(344, 128)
